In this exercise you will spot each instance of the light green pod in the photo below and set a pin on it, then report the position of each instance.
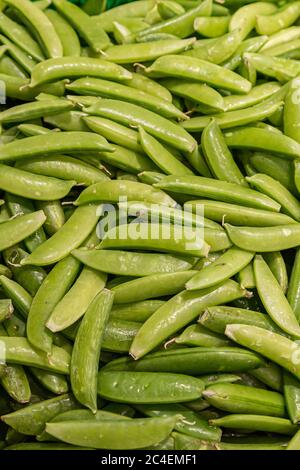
(19, 228)
(198, 335)
(256, 423)
(135, 311)
(245, 17)
(67, 35)
(216, 50)
(284, 17)
(213, 26)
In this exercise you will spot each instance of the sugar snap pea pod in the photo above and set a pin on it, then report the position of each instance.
(236, 118)
(6, 309)
(197, 335)
(40, 26)
(291, 111)
(216, 50)
(69, 121)
(19, 351)
(269, 186)
(14, 381)
(281, 37)
(289, 50)
(21, 58)
(52, 290)
(249, 45)
(238, 215)
(276, 263)
(65, 32)
(128, 160)
(17, 87)
(31, 420)
(170, 9)
(221, 190)
(293, 293)
(246, 277)
(218, 155)
(278, 168)
(118, 335)
(245, 17)
(55, 383)
(19, 228)
(86, 351)
(20, 36)
(29, 111)
(223, 268)
(147, 387)
(56, 142)
(255, 96)
(77, 300)
(192, 68)
(291, 389)
(194, 361)
(217, 318)
(150, 177)
(197, 161)
(66, 239)
(52, 70)
(111, 191)
(92, 34)
(243, 399)
(128, 434)
(20, 297)
(9, 66)
(211, 26)
(55, 217)
(284, 17)
(195, 92)
(182, 25)
(265, 239)
(179, 311)
(271, 375)
(34, 129)
(135, 311)
(64, 168)
(131, 10)
(191, 424)
(150, 287)
(156, 125)
(141, 82)
(277, 67)
(172, 239)
(256, 423)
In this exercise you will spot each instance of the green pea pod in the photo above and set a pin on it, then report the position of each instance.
(243, 399)
(92, 34)
(216, 50)
(63, 167)
(32, 419)
(289, 50)
(19, 228)
(127, 160)
(220, 190)
(256, 423)
(218, 156)
(118, 335)
(278, 168)
(66, 34)
(185, 307)
(291, 389)
(284, 17)
(141, 82)
(211, 26)
(111, 191)
(270, 375)
(277, 265)
(279, 349)
(225, 267)
(68, 121)
(156, 125)
(33, 129)
(291, 111)
(52, 290)
(6, 309)
(131, 10)
(193, 361)
(249, 45)
(29, 111)
(55, 383)
(238, 215)
(245, 17)
(55, 217)
(86, 351)
(255, 96)
(192, 68)
(265, 239)
(39, 25)
(197, 335)
(276, 67)
(128, 434)
(19, 56)
(20, 297)
(217, 318)
(135, 311)
(294, 443)
(66, 239)
(293, 293)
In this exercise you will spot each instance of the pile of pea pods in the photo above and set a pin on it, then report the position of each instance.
(114, 126)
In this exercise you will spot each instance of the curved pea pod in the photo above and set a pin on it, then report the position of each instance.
(278, 168)
(218, 156)
(32, 186)
(148, 387)
(52, 290)
(265, 239)
(234, 118)
(277, 67)
(211, 26)
(141, 82)
(270, 375)
(275, 347)
(195, 92)
(284, 17)
(68, 121)
(256, 95)
(77, 300)
(281, 37)
(20, 297)
(178, 312)
(14, 381)
(192, 68)
(193, 361)
(132, 115)
(293, 293)
(217, 318)
(6, 309)
(277, 265)
(112, 191)
(243, 399)
(128, 434)
(291, 389)
(19, 351)
(40, 26)
(220, 190)
(107, 89)
(56, 142)
(67, 35)
(55, 217)
(239, 215)
(249, 45)
(32, 419)
(291, 112)
(118, 335)
(197, 335)
(67, 238)
(55, 383)
(19, 228)
(29, 111)
(126, 263)
(216, 50)
(135, 311)
(256, 423)
(245, 17)
(226, 266)
(52, 70)
(127, 160)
